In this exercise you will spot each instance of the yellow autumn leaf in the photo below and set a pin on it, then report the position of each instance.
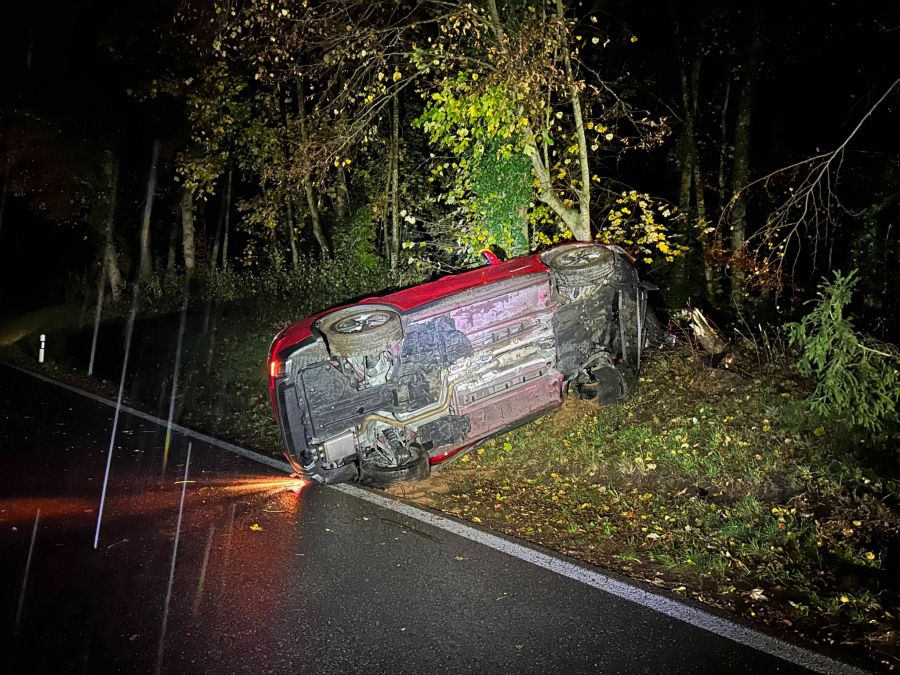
(397, 76)
(476, 519)
(256, 527)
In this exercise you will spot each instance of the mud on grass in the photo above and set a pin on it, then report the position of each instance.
(709, 483)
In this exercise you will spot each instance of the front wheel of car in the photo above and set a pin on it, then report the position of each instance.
(417, 468)
(577, 265)
(361, 330)
(604, 385)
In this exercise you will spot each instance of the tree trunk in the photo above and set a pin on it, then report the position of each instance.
(341, 196)
(395, 184)
(3, 192)
(686, 166)
(113, 275)
(145, 262)
(187, 229)
(386, 212)
(495, 19)
(583, 229)
(292, 237)
(224, 208)
(311, 205)
(226, 224)
(313, 209)
(546, 193)
(722, 186)
(110, 255)
(741, 165)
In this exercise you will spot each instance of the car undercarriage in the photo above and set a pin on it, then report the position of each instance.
(379, 394)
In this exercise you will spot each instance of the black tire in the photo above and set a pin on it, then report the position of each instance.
(604, 384)
(418, 468)
(361, 330)
(577, 265)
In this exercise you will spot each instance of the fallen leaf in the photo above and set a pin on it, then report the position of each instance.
(255, 527)
(757, 594)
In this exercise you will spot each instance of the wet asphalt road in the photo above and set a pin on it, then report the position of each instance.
(271, 579)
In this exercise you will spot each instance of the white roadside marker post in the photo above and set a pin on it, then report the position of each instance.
(41, 350)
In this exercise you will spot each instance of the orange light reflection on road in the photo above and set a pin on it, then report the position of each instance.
(22, 509)
(295, 485)
(15, 510)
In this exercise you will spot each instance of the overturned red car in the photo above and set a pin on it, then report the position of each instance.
(381, 390)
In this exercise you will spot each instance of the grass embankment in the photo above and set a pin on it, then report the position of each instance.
(709, 483)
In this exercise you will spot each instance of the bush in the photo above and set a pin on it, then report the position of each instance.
(856, 376)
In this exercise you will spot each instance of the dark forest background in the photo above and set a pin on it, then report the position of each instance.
(741, 152)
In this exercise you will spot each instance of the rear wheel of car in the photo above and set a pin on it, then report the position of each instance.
(417, 468)
(579, 264)
(361, 330)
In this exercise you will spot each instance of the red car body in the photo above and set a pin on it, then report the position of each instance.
(381, 389)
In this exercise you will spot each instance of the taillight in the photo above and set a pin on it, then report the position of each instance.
(276, 368)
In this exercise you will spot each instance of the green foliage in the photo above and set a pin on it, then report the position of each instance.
(856, 376)
(502, 189)
(354, 241)
(467, 120)
(489, 185)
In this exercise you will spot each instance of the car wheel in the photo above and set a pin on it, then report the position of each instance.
(603, 383)
(417, 468)
(580, 265)
(361, 330)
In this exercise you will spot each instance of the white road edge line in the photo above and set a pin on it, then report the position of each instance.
(225, 445)
(670, 607)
